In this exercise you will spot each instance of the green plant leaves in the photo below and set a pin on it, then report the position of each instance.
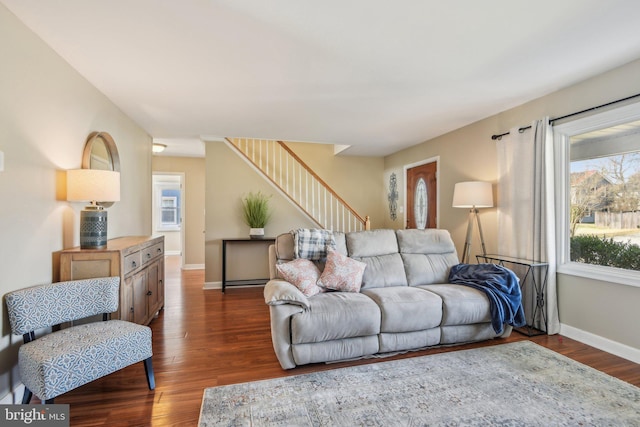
(591, 249)
(256, 209)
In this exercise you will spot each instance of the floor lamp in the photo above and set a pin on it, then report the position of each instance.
(472, 195)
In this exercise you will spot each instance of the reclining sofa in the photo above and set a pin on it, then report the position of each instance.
(404, 301)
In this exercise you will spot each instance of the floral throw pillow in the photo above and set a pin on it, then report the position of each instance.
(303, 274)
(342, 273)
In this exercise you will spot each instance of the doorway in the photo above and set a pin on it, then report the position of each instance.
(168, 211)
(422, 194)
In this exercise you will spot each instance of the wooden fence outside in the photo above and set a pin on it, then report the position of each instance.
(617, 220)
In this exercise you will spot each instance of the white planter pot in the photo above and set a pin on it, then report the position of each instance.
(256, 233)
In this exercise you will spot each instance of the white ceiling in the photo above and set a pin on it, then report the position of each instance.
(378, 75)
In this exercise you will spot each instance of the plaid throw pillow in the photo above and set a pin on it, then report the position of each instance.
(312, 243)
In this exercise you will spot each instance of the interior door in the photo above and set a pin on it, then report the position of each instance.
(422, 196)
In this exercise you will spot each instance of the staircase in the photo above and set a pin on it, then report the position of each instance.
(284, 169)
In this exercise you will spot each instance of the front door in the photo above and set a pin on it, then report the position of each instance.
(422, 196)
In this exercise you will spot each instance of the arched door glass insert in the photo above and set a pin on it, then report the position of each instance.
(420, 205)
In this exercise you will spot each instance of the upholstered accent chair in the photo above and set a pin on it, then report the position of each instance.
(63, 360)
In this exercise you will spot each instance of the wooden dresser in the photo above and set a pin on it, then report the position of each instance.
(138, 260)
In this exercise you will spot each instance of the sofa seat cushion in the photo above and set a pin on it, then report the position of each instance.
(461, 305)
(334, 316)
(66, 359)
(406, 309)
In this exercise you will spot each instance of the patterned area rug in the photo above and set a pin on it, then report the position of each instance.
(516, 384)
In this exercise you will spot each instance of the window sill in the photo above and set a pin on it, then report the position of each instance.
(605, 274)
(168, 228)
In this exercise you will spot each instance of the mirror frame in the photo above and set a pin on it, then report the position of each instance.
(110, 145)
(112, 151)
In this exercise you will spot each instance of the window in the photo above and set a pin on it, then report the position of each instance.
(168, 198)
(598, 165)
(169, 210)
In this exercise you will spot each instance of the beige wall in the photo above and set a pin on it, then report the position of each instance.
(229, 178)
(357, 179)
(47, 110)
(599, 308)
(194, 191)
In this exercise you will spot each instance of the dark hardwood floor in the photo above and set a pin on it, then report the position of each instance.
(204, 338)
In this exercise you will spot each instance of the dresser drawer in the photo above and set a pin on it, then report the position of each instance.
(152, 252)
(132, 262)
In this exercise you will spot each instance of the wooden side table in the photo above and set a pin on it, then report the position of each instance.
(225, 242)
(539, 286)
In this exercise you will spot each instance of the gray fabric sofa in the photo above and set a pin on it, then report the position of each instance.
(405, 302)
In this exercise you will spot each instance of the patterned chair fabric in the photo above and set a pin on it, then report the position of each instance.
(66, 359)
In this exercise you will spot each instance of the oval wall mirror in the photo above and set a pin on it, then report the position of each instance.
(100, 152)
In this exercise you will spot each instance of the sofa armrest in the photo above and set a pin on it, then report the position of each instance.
(278, 291)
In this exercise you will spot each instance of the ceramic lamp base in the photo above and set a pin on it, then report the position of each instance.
(93, 229)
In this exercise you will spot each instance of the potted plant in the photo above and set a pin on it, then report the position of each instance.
(256, 210)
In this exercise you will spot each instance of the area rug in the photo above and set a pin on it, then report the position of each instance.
(515, 384)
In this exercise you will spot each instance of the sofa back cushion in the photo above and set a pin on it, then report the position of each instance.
(427, 255)
(284, 245)
(379, 250)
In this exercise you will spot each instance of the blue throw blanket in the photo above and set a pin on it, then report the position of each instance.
(501, 286)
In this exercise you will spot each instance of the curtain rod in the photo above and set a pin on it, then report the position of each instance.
(522, 129)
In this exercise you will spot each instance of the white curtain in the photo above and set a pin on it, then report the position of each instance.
(526, 211)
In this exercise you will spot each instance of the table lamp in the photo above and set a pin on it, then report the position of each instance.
(473, 195)
(93, 185)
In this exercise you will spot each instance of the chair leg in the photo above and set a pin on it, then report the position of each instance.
(26, 397)
(148, 369)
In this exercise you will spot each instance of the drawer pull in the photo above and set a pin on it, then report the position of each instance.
(148, 255)
(158, 250)
(133, 264)
(149, 293)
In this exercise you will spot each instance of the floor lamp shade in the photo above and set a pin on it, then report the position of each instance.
(93, 185)
(472, 195)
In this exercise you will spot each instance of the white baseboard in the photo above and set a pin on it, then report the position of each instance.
(605, 344)
(193, 267)
(170, 253)
(212, 285)
(14, 397)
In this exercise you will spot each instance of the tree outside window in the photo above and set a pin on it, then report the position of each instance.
(604, 221)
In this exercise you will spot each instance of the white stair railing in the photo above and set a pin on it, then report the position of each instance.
(280, 165)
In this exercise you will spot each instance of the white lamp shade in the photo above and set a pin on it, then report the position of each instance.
(472, 194)
(88, 185)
